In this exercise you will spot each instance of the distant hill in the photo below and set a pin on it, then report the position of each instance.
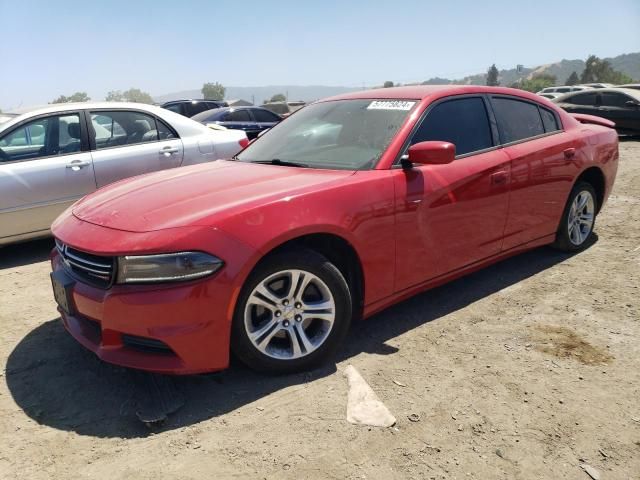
(259, 94)
(628, 63)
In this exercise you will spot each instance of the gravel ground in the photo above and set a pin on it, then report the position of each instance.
(528, 369)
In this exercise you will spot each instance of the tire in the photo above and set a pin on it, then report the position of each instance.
(577, 237)
(279, 327)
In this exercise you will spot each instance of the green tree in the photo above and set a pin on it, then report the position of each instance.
(114, 96)
(76, 97)
(213, 91)
(536, 83)
(573, 79)
(134, 95)
(278, 97)
(597, 70)
(388, 84)
(492, 76)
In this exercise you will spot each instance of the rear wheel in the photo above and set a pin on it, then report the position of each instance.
(292, 313)
(578, 219)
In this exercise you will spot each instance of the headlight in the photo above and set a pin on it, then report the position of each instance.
(166, 267)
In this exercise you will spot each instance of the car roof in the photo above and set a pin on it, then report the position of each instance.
(28, 112)
(192, 100)
(420, 92)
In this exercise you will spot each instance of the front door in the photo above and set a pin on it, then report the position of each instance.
(44, 168)
(450, 216)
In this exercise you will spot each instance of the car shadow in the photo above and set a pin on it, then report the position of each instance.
(60, 384)
(26, 253)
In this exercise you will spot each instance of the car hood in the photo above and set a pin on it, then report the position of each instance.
(197, 195)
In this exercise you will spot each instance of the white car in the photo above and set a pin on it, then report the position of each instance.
(561, 90)
(52, 156)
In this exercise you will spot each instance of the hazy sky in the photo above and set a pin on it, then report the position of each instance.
(49, 48)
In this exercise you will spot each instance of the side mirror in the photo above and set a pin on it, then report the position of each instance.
(632, 103)
(431, 153)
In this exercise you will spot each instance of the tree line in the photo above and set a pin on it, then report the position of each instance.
(596, 70)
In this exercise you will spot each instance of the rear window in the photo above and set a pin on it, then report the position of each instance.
(265, 116)
(583, 99)
(549, 120)
(517, 120)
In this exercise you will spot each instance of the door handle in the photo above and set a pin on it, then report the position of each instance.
(499, 178)
(166, 151)
(569, 153)
(78, 164)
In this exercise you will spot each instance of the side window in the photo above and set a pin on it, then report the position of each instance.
(238, 116)
(463, 122)
(583, 99)
(264, 116)
(612, 99)
(194, 108)
(119, 128)
(44, 137)
(164, 132)
(176, 107)
(517, 120)
(549, 120)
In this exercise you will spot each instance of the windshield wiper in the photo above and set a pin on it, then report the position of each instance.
(284, 163)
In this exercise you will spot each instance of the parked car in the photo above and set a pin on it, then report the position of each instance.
(563, 89)
(284, 109)
(252, 120)
(189, 107)
(50, 157)
(597, 85)
(620, 105)
(550, 96)
(634, 86)
(347, 207)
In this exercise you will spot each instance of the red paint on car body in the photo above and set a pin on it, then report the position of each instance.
(411, 229)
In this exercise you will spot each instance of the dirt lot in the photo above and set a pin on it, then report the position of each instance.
(525, 370)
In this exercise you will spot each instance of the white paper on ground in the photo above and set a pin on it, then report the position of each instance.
(363, 405)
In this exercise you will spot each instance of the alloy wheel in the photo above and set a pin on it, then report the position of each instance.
(289, 314)
(580, 218)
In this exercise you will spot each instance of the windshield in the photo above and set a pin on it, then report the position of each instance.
(342, 135)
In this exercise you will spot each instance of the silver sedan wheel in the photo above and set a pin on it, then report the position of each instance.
(580, 219)
(289, 314)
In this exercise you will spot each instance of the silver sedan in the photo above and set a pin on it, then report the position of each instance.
(50, 157)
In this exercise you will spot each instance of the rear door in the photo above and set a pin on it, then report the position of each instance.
(543, 165)
(45, 166)
(125, 143)
(450, 216)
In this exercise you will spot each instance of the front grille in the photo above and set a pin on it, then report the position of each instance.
(95, 270)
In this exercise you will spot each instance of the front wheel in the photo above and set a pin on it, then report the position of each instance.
(292, 313)
(578, 219)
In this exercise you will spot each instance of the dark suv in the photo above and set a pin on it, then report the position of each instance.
(189, 108)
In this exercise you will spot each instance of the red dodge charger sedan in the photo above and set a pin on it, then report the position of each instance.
(347, 207)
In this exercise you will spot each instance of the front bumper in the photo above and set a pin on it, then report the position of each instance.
(178, 328)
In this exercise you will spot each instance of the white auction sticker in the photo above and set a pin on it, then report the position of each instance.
(390, 105)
